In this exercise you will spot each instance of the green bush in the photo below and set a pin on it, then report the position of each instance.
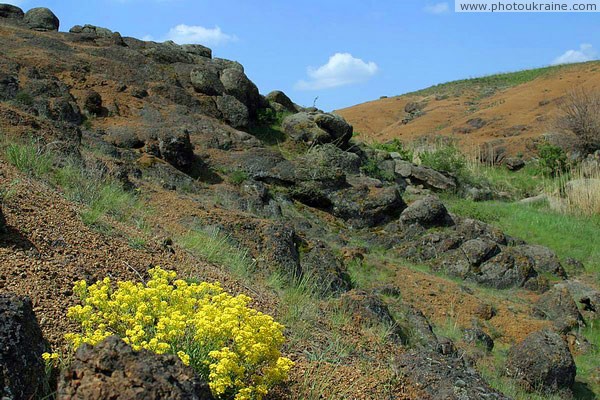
(446, 158)
(24, 98)
(238, 177)
(395, 146)
(371, 168)
(553, 159)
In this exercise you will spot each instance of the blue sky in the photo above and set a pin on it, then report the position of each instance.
(351, 51)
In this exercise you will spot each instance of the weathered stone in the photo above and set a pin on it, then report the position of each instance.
(510, 268)
(368, 309)
(205, 79)
(113, 370)
(92, 103)
(176, 149)
(542, 362)
(317, 128)
(280, 98)
(234, 112)
(328, 271)
(22, 371)
(514, 164)
(428, 212)
(41, 19)
(558, 305)
(446, 377)
(10, 11)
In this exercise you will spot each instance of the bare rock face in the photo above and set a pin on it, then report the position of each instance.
(113, 370)
(21, 347)
(542, 362)
(41, 19)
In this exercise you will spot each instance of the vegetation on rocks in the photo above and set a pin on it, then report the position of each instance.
(233, 346)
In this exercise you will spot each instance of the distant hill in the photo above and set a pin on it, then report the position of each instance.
(514, 107)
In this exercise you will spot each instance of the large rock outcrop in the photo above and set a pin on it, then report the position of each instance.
(113, 370)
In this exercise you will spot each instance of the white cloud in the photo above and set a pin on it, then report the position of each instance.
(438, 8)
(341, 69)
(586, 52)
(190, 34)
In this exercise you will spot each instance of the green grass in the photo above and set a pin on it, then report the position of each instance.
(29, 158)
(526, 182)
(587, 364)
(215, 247)
(568, 235)
(490, 83)
(100, 195)
(238, 177)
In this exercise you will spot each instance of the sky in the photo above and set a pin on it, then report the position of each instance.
(335, 54)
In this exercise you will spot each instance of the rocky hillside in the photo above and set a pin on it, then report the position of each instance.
(507, 110)
(120, 155)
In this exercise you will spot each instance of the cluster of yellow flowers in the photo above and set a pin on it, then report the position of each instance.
(236, 347)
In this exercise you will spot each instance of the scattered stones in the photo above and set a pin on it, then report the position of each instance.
(542, 362)
(41, 19)
(113, 370)
(420, 175)
(22, 371)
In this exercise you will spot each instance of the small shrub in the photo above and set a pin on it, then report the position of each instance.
(553, 159)
(395, 146)
(236, 348)
(24, 98)
(238, 177)
(446, 158)
(371, 168)
(29, 158)
(581, 115)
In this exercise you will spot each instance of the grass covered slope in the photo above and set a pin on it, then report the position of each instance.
(515, 108)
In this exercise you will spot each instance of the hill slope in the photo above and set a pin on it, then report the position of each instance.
(515, 108)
